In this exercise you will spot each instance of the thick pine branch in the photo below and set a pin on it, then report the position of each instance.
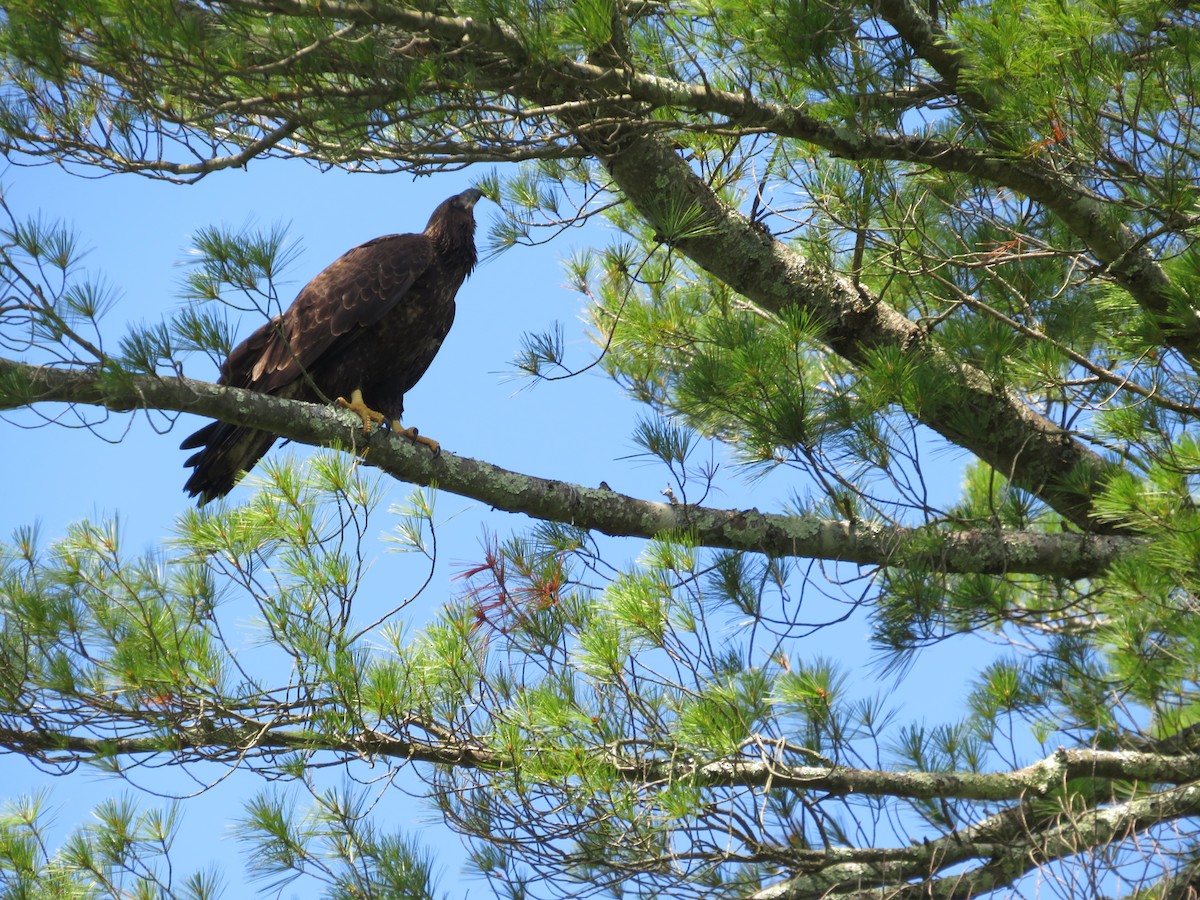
(996, 426)
(936, 548)
(1033, 452)
(1013, 843)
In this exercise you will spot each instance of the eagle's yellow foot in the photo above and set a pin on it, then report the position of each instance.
(411, 434)
(370, 418)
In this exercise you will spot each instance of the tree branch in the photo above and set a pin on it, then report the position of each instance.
(1014, 842)
(1027, 448)
(762, 769)
(938, 548)
(758, 766)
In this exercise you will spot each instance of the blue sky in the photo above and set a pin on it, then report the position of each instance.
(577, 429)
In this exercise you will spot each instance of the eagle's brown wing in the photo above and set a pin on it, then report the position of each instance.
(354, 291)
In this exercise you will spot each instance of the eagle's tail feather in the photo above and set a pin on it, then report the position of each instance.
(229, 450)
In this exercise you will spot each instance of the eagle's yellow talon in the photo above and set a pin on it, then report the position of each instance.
(414, 436)
(370, 418)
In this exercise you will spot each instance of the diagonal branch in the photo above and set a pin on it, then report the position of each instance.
(996, 426)
(1033, 452)
(1012, 843)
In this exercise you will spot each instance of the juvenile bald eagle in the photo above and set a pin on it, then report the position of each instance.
(366, 328)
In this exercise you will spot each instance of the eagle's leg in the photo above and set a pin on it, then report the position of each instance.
(370, 418)
(411, 434)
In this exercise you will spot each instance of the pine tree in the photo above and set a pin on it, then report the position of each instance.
(849, 238)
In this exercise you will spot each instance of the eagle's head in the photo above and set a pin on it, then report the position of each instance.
(452, 229)
(455, 214)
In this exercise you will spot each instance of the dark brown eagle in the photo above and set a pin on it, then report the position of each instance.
(366, 328)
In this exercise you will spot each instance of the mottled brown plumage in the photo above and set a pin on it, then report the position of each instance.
(371, 322)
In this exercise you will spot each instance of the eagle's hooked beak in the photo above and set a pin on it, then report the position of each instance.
(468, 198)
